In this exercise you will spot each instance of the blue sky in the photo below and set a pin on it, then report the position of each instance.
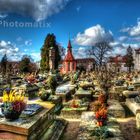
(86, 22)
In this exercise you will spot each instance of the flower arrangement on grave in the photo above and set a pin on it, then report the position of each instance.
(74, 103)
(95, 106)
(31, 79)
(13, 104)
(43, 94)
(101, 116)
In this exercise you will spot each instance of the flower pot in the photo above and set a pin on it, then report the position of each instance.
(101, 122)
(11, 114)
(44, 97)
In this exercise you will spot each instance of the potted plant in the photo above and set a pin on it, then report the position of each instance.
(13, 104)
(43, 94)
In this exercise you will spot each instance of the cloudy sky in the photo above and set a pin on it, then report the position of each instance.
(24, 25)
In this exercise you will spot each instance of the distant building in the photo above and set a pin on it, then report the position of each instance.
(87, 64)
(14, 68)
(117, 63)
(70, 64)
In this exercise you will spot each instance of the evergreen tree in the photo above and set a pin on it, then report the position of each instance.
(50, 41)
(129, 58)
(4, 63)
(24, 65)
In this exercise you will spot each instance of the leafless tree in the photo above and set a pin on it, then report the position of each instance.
(100, 51)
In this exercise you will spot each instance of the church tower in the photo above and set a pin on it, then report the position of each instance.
(69, 63)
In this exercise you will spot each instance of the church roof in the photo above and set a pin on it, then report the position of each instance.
(69, 56)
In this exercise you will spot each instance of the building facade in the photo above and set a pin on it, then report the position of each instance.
(117, 63)
(70, 64)
(86, 64)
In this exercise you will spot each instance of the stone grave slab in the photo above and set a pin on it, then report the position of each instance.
(29, 128)
(65, 91)
(115, 109)
(81, 93)
(132, 105)
(130, 94)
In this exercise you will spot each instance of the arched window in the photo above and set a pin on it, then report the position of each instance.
(68, 66)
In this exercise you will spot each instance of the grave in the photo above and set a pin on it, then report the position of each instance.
(65, 91)
(74, 111)
(88, 126)
(29, 128)
(130, 94)
(81, 93)
(133, 105)
(31, 90)
(36, 126)
(115, 109)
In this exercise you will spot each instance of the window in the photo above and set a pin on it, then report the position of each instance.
(68, 66)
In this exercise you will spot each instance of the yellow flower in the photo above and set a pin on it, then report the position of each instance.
(12, 96)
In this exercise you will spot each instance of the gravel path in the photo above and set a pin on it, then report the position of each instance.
(128, 127)
(71, 131)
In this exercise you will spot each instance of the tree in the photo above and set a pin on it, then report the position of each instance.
(4, 63)
(50, 41)
(24, 65)
(129, 58)
(52, 83)
(62, 51)
(99, 52)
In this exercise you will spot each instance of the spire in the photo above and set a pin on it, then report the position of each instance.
(69, 55)
(69, 45)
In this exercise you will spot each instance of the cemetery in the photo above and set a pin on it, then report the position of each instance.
(45, 114)
(41, 106)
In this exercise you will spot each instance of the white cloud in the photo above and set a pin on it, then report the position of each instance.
(19, 39)
(133, 30)
(36, 56)
(37, 9)
(6, 47)
(2, 16)
(120, 48)
(28, 42)
(78, 8)
(93, 35)
(125, 29)
(123, 38)
(133, 45)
